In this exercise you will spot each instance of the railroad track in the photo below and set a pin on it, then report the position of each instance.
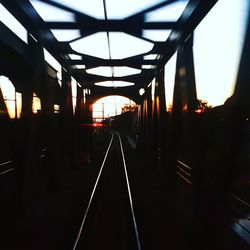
(109, 220)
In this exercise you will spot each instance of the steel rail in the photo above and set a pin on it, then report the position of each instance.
(92, 194)
(129, 194)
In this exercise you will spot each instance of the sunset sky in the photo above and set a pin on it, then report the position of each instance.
(218, 42)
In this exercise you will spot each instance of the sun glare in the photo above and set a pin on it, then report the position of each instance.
(109, 106)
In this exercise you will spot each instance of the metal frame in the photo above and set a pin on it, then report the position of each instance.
(134, 25)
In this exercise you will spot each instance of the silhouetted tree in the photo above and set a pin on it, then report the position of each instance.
(203, 105)
(127, 108)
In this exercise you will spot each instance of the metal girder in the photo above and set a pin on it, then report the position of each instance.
(194, 12)
(9, 38)
(113, 25)
(113, 62)
(96, 78)
(131, 92)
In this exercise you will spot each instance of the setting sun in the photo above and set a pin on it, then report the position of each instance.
(109, 106)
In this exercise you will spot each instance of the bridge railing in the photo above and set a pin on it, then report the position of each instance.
(239, 206)
(6, 167)
(184, 172)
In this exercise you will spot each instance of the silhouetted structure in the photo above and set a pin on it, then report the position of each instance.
(189, 169)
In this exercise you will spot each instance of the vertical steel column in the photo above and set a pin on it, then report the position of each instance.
(175, 129)
(88, 109)
(27, 156)
(79, 104)
(78, 126)
(155, 126)
(27, 97)
(184, 104)
(140, 126)
(88, 140)
(41, 79)
(66, 103)
(149, 123)
(143, 132)
(67, 118)
(188, 66)
(190, 139)
(145, 123)
(102, 111)
(162, 116)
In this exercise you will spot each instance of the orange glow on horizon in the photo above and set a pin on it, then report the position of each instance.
(199, 111)
(110, 106)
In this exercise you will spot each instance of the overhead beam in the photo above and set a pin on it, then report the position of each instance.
(195, 11)
(113, 25)
(12, 40)
(112, 62)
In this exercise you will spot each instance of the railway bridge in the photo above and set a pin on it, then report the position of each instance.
(171, 172)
